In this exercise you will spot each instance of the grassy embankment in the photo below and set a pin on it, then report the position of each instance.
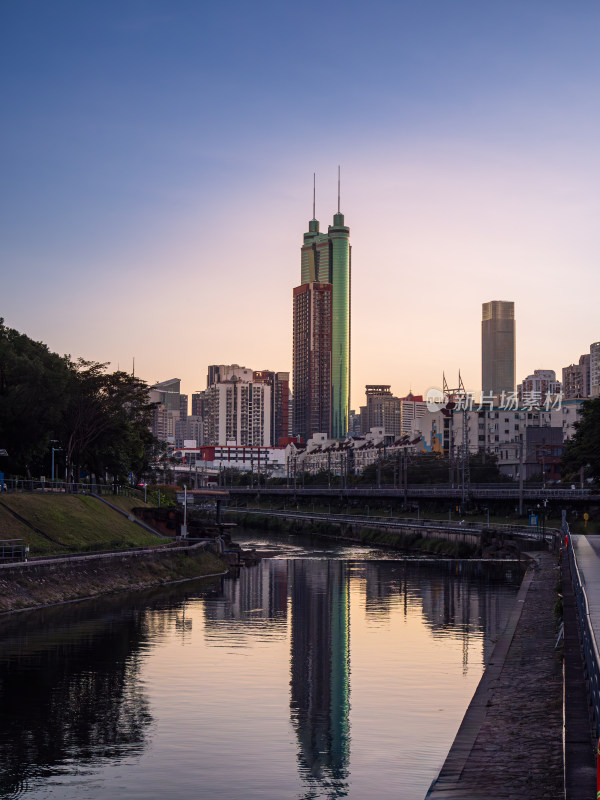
(71, 523)
(80, 524)
(365, 534)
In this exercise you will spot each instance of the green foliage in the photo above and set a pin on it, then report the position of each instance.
(34, 385)
(433, 468)
(99, 419)
(583, 450)
(168, 495)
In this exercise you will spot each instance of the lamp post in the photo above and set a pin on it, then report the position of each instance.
(54, 450)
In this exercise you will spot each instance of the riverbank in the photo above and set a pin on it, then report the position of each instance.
(454, 543)
(509, 744)
(41, 583)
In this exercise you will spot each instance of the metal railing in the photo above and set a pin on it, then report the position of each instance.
(63, 487)
(13, 550)
(590, 647)
(420, 490)
(548, 535)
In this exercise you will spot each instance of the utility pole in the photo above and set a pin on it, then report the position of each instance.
(521, 478)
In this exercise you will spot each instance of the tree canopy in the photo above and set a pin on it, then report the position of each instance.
(98, 421)
(583, 449)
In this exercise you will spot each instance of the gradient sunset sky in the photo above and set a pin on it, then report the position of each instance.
(158, 157)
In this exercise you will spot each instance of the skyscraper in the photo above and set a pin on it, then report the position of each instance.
(312, 359)
(498, 347)
(325, 262)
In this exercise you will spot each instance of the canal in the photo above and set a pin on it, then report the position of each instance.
(319, 673)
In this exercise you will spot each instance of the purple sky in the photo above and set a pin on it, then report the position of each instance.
(157, 164)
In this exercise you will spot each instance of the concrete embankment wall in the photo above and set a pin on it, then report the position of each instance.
(39, 583)
(509, 744)
(453, 542)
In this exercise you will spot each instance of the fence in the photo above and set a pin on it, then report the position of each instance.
(590, 648)
(62, 487)
(13, 550)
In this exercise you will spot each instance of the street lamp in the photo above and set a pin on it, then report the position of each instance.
(54, 450)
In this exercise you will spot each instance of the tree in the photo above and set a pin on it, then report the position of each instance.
(583, 449)
(34, 385)
(107, 422)
(101, 419)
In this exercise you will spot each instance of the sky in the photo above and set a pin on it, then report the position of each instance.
(157, 161)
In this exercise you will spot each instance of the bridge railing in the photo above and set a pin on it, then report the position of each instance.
(590, 646)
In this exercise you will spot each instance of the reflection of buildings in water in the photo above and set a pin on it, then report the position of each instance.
(320, 665)
(382, 587)
(463, 603)
(70, 689)
(255, 599)
(452, 600)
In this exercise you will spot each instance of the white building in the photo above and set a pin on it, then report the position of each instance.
(239, 413)
(344, 457)
(411, 408)
(539, 385)
(503, 434)
(212, 459)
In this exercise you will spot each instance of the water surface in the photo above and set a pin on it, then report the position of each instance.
(337, 673)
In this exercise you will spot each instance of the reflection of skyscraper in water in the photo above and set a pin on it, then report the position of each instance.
(257, 598)
(320, 666)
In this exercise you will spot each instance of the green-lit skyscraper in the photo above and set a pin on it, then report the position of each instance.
(325, 260)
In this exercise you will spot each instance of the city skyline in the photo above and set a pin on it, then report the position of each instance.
(146, 197)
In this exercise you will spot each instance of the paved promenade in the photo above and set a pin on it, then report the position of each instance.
(580, 766)
(509, 746)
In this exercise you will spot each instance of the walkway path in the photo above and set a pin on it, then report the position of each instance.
(509, 745)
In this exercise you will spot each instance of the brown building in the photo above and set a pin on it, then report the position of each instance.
(312, 359)
(280, 401)
(382, 410)
(576, 379)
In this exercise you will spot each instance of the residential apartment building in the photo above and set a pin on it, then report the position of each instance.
(280, 401)
(540, 385)
(595, 369)
(239, 413)
(219, 373)
(576, 379)
(167, 413)
(503, 434)
(395, 414)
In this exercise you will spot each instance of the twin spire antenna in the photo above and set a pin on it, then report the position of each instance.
(314, 216)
